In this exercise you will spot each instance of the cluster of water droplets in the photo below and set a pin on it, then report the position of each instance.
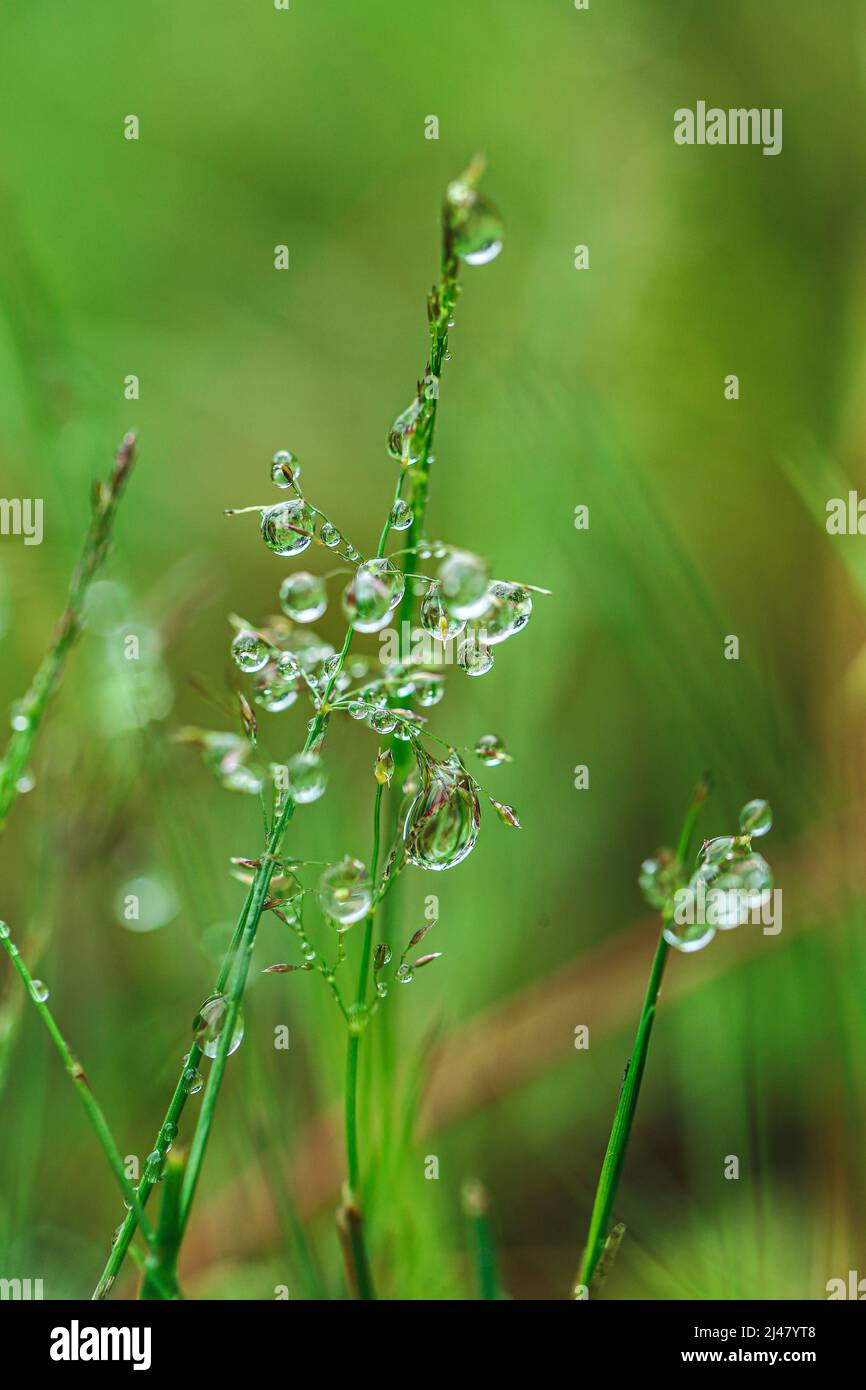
(730, 884)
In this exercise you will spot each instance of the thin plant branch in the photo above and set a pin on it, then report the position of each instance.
(30, 709)
(476, 1206)
(617, 1145)
(78, 1077)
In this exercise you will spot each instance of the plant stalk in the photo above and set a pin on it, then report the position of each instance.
(31, 708)
(614, 1158)
(349, 1217)
(247, 923)
(77, 1076)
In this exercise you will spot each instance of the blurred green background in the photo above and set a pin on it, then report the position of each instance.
(602, 387)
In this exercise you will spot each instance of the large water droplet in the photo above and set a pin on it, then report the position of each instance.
(659, 878)
(307, 777)
(714, 851)
(441, 824)
(463, 579)
(741, 884)
(508, 611)
(145, 904)
(288, 527)
(39, 990)
(429, 688)
(383, 720)
(491, 750)
(276, 689)
(756, 818)
(473, 656)
(403, 437)
(401, 515)
(345, 893)
(373, 593)
(434, 619)
(689, 936)
(285, 468)
(476, 224)
(250, 652)
(209, 1023)
(227, 755)
(329, 535)
(303, 596)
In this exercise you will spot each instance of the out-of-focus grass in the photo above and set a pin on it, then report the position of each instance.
(603, 387)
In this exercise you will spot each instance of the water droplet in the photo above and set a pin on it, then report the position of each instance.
(329, 535)
(227, 755)
(307, 777)
(508, 611)
(399, 678)
(383, 720)
(288, 527)
(373, 593)
(403, 437)
(285, 468)
(473, 656)
(436, 621)
(756, 818)
(357, 709)
(659, 878)
(688, 936)
(402, 515)
(441, 824)
(491, 750)
(303, 596)
(250, 652)
(19, 721)
(25, 783)
(429, 689)
(193, 1081)
(382, 956)
(463, 580)
(39, 990)
(345, 893)
(407, 723)
(403, 975)
(167, 1135)
(153, 1166)
(738, 886)
(477, 226)
(714, 851)
(275, 689)
(146, 903)
(209, 1022)
(4, 931)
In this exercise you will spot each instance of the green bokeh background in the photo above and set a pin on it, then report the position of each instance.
(602, 387)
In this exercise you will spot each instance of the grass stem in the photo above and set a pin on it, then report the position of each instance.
(31, 707)
(350, 1217)
(617, 1145)
(77, 1076)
